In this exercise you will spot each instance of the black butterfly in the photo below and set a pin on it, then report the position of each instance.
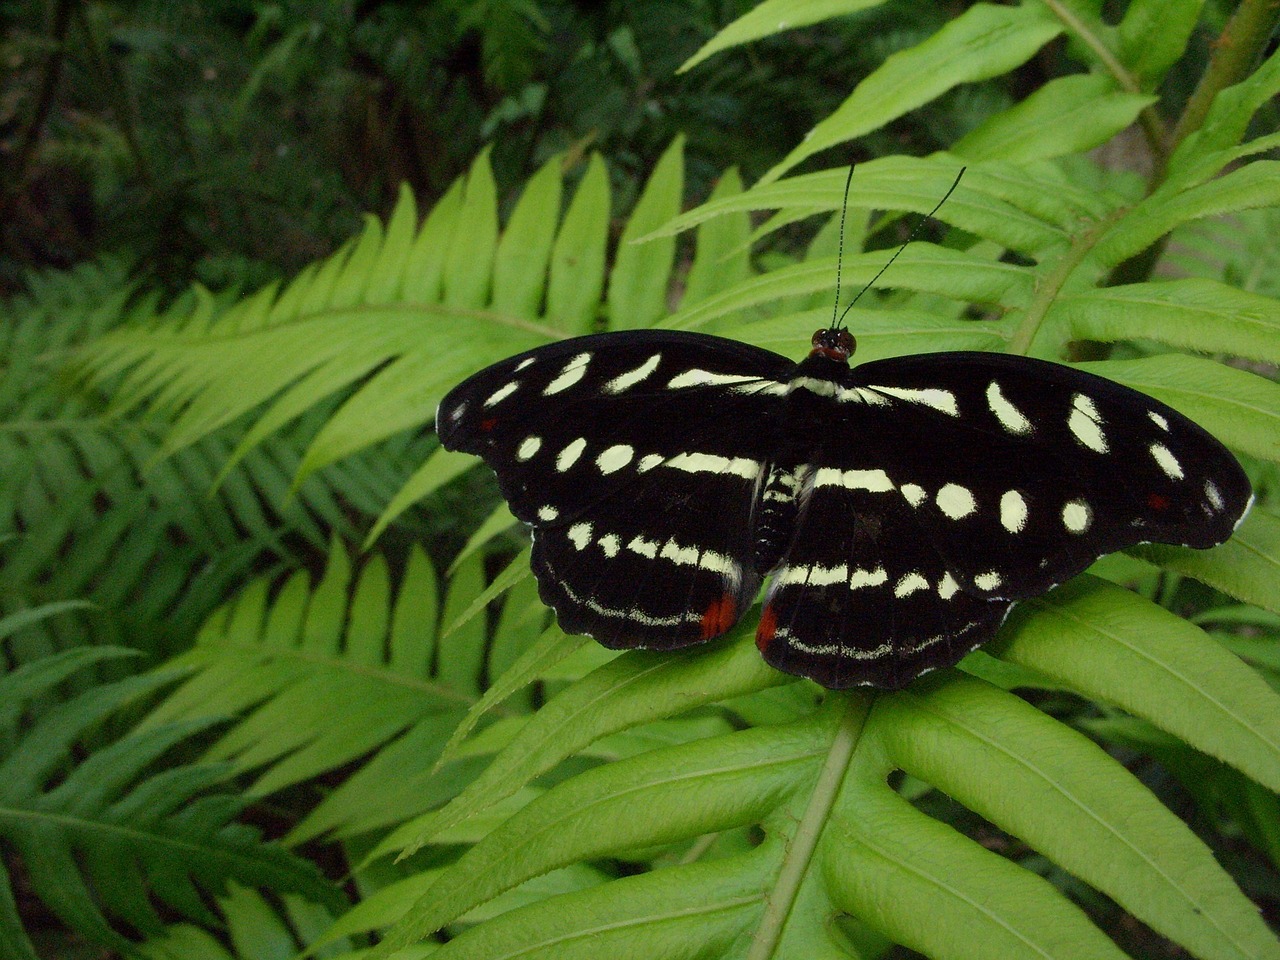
(900, 507)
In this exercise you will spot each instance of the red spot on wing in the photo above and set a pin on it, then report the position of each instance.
(487, 425)
(768, 626)
(1158, 501)
(720, 615)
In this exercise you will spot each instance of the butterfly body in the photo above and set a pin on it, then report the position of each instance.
(897, 508)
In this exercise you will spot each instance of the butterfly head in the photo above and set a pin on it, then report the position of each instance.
(833, 344)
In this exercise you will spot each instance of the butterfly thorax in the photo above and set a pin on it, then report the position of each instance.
(810, 408)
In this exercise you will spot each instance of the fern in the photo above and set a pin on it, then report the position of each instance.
(348, 671)
(100, 838)
(100, 516)
(811, 851)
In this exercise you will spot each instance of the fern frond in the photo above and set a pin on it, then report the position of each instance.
(838, 839)
(100, 839)
(350, 669)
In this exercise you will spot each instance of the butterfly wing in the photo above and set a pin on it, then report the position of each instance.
(636, 458)
(957, 483)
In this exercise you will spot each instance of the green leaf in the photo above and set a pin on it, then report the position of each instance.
(103, 836)
(468, 263)
(1203, 315)
(1247, 566)
(1208, 149)
(984, 41)
(896, 865)
(1153, 36)
(1020, 213)
(578, 258)
(1113, 646)
(921, 266)
(1091, 816)
(772, 17)
(1067, 115)
(1254, 185)
(659, 797)
(633, 688)
(837, 838)
(520, 265)
(320, 678)
(436, 471)
(638, 281)
(722, 259)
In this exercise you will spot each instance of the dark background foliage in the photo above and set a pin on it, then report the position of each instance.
(231, 142)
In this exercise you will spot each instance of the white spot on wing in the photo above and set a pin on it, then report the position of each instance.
(955, 501)
(572, 372)
(711, 463)
(580, 535)
(1158, 420)
(628, 613)
(909, 584)
(648, 462)
(646, 548)
(914, 494)
(877, 481)
(867, 578)
(1086, 424)
(615, 458)
(680, 556)
(943, 400)
(629, 379)
(1013, 511)
(1167, 461)
(548, 513)
(1010, 417)
(1076, 516)
(610, 544)
(570, 454)
(987, 581)
(502, 393)
(524, 363)
(705, 378)
(947, 586)
(823, 388)
(815, 576)
(528, 447)
(1214, 495)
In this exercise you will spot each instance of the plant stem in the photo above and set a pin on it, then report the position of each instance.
(804, 842)
(1235, 53)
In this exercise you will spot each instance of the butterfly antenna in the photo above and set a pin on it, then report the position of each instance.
(844, 210)
(911, 236)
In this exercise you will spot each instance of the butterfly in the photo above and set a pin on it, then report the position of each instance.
(897, 509)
